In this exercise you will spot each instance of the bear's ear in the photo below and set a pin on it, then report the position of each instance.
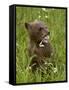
(27, 25)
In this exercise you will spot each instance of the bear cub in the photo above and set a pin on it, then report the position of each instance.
(39, 45)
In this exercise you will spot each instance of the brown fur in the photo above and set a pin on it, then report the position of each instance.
(37, 31)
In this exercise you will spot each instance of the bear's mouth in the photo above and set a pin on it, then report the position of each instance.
(43, 41)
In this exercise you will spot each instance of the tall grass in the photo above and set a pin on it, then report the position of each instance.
(55, 20)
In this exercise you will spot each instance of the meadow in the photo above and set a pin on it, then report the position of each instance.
(55, 19)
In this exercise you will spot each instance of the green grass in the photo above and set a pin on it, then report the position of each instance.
(55, 20)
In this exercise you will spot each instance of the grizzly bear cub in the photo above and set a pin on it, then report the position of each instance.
(39, 45)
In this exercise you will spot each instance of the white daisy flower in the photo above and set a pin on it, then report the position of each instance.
(28, 68)
(46, 63)
(39, 16)
(43, 9)
(46, 16)
(55, 70)
(17, 44)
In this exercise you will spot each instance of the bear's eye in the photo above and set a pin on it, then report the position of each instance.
(40, 29)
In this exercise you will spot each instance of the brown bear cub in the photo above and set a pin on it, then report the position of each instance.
(39, 45)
